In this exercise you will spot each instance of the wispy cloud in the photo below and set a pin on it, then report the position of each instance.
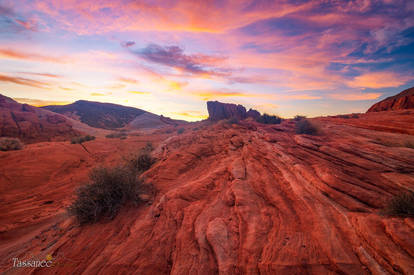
(21, 55)
(174, 56)
(24, 81)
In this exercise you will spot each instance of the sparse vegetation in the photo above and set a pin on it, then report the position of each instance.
(180, 131)
(400, 205)
(108, 190)
(10, 144)
(120, 135)
(111, 188)
(298, 118)
(141, 161)
(304, 126)
(82, 139)
(269, 119)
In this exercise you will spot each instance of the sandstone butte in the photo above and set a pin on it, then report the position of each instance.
(231, 199)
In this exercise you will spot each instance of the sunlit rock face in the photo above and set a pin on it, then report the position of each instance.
(404, 100)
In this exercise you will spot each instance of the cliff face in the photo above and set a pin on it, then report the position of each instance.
(32, 124)
(404, 100)
(232, 199)
(218, 111)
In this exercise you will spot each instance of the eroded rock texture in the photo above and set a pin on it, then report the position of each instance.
(240, 199)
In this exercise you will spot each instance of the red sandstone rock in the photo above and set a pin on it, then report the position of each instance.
(230, 200)
(404, 100)
(32, 124)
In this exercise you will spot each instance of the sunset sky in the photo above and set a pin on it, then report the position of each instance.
(169, 57)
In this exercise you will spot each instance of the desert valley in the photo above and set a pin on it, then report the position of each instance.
(229, 194)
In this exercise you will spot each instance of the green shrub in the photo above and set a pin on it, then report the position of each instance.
(304, 126)
(269, 119)
(103, 196)
(400, 205)
(82, 139)
(298, 117)
(180, 131)
(120, 135)
(9, 144)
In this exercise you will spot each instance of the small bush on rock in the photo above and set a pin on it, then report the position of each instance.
(82, 139)
(120, 135)
(269, 119)
(108, 190)
(140, 162)
(400, 205)
(298, 118)
(9, 144)
(180, 131)
(304, 126)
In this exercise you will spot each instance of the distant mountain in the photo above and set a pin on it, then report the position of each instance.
(401, 101)
(32, 124)
(97, 114)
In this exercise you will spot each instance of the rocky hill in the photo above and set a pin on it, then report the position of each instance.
(97, 114)
(32, 124)
(244, 198)
(401, 101)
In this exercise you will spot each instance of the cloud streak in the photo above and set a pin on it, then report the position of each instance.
(174, 56)
(23, 81)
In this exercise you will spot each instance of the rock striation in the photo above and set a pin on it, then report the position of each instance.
(401, 101)
(218, 111)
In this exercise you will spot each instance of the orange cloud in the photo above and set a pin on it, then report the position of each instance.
(39, 102)
(11, 54)
(23, 81)
(97, 94)
(208, 95)
(191, 114)
(378, 80)
(42, 74)
(128, 80)
(139, 93)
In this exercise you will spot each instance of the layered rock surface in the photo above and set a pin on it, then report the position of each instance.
(240, 199)
(401, 101)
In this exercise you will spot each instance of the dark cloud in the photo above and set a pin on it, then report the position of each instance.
(174, 56)
(127, 44)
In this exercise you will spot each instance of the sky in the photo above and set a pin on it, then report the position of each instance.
(287, 57)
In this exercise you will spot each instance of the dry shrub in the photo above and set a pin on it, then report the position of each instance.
(269, 119)
(111, 188)
(304, 126)
(82, 139)
(108, 190)
(400, 205)
(10, 144)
